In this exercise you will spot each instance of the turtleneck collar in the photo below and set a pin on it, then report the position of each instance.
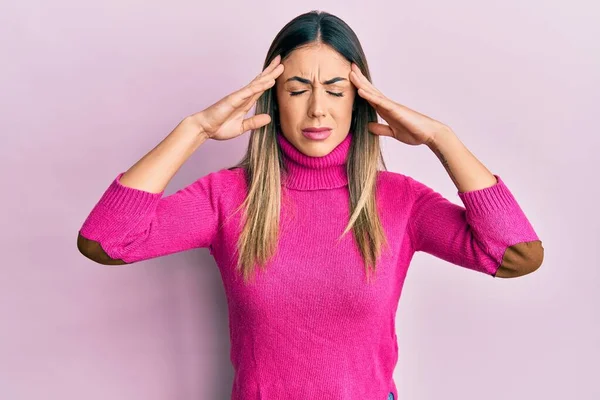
(312, 173)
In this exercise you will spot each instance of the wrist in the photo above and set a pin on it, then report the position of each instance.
(441, 136)
(189, 131)
(193, 122)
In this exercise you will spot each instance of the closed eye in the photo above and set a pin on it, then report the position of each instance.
(332, 93)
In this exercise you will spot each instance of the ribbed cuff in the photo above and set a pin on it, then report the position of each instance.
(118, 211)
(489, 200)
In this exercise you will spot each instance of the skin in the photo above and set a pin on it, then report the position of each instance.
(316, 103)
(319, 103)
(464, 169)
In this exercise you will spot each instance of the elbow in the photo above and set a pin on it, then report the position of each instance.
(92, 250)
(530, 266)
(537, 259)
(521, 259)
(533, 257)
(85, 246)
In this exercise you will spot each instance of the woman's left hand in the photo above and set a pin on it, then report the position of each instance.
(406, 125)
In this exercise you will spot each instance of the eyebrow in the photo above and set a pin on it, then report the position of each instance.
(308, 82)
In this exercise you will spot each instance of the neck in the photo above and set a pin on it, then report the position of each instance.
(313, 173)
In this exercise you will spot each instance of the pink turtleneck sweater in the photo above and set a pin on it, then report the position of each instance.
(310, 327)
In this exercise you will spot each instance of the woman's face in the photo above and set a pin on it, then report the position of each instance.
(315, 90)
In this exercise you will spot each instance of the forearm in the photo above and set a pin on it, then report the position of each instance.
(469, 174)
(465, 170)
(155, 170)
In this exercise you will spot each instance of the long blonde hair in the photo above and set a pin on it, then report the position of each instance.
(263, 161)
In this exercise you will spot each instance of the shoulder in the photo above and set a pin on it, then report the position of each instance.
(227, 187)
(224, 179)
(402, 186)
(395, 196)
(389, 180)
(394, 188)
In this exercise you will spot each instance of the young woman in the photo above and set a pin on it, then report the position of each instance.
(312, 238)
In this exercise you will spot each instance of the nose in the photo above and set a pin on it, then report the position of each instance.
(316, 107)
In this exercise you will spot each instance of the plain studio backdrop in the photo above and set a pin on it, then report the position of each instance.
(87, 88)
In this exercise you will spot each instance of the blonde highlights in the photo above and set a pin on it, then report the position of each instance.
(264, 164)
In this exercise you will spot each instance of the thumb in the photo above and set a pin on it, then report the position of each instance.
(380, 129)
(255, 122)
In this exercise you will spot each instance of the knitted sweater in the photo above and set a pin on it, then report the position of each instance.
(310, 326)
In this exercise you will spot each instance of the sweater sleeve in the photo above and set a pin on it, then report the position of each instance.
(474, 236)
(134, 225)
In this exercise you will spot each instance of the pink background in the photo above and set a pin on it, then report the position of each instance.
(88, 88)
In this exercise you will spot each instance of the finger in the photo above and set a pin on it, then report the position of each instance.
(249, 103)
(251, 92)
(239, 98)
(253, 98)
(267, 77)
(272, 65)
(257, 88)
(360, 83)
(362, 80)
(361, 77)
(255, 122)
(375, 99)
(271, 72)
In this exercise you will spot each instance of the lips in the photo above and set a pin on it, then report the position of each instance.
(314, 133)
(316, 129)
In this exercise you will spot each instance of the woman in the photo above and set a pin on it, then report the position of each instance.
(312, 308)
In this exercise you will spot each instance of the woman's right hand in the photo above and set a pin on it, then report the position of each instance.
(225, 119)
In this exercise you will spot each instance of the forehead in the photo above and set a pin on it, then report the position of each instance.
(317, 63)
